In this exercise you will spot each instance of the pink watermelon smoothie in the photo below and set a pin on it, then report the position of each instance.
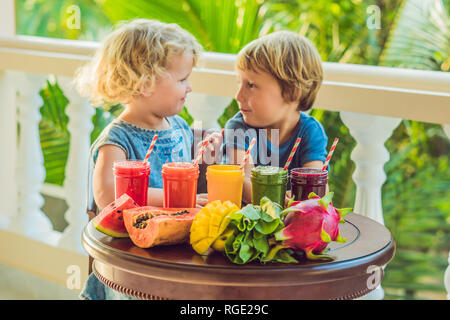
(131, 177)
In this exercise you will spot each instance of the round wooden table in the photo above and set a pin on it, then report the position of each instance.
(178, 272)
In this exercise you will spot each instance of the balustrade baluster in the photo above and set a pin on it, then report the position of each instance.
(207, 108)
(80, 126)
(8, 146)
(369, 155)
(30, 220)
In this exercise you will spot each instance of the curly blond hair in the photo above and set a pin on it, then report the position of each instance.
(291, 59)
(131, 58)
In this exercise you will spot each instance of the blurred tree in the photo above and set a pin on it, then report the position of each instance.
(415, 197)
(69, 19)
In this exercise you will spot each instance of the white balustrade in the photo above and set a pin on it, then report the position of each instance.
(369, 155)
(80, 126)
(8, 140)
(30, 220)
(206, 108)
(8, 145)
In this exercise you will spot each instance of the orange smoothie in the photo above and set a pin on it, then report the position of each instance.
(225, 182)
(179, 184)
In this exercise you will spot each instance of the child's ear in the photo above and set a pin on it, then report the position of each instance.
(146, 89)
(296, 98)
(146, 93)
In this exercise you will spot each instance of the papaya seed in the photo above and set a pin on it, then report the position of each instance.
(141, 220)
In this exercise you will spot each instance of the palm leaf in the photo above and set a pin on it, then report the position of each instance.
(53, 133)
(220, 26)
(186, 116)
(420, 38)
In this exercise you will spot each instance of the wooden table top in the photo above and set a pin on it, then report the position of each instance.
(178, 272)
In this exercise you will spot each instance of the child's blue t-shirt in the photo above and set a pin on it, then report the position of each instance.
(172, 145)
(312, 146)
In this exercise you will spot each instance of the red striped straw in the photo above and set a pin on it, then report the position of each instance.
(247, 153)
(330, 154)
(291, 155)
(149, 151)
(201, 151)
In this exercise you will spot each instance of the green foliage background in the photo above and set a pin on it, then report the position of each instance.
(412, 34)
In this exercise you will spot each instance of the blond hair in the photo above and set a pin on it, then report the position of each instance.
(291, 59)
(131, 58)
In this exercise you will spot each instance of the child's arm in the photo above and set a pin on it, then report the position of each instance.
(155, 197)
(313, 164)
(103, 178)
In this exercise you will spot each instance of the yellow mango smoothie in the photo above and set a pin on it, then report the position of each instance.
(225, 182)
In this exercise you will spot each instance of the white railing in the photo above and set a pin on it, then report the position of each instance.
(371, 101)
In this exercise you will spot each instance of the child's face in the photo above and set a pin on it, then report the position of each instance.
(260, 100)
(169, 93)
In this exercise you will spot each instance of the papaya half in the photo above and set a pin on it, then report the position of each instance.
(151, 226)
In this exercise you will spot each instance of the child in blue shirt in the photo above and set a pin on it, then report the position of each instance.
(279, 76)
(145, 65)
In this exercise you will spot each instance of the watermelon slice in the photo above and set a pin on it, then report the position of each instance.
(110, 219)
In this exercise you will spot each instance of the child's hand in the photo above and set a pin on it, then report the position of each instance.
(287, 198)
(202, 200)
(214, 143)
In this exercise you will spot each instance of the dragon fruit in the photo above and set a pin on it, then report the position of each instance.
(311, 224)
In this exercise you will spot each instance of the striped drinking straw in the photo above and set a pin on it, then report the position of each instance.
(330, 154)
(201, 151)
(152, 144)
(291, 155)
(250, 147)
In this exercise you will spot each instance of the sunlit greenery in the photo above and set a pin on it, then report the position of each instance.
(410, 34)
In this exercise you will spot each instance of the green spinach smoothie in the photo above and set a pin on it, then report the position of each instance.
(270, 182)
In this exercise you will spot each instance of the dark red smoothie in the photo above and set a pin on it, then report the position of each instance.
(307, 180)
